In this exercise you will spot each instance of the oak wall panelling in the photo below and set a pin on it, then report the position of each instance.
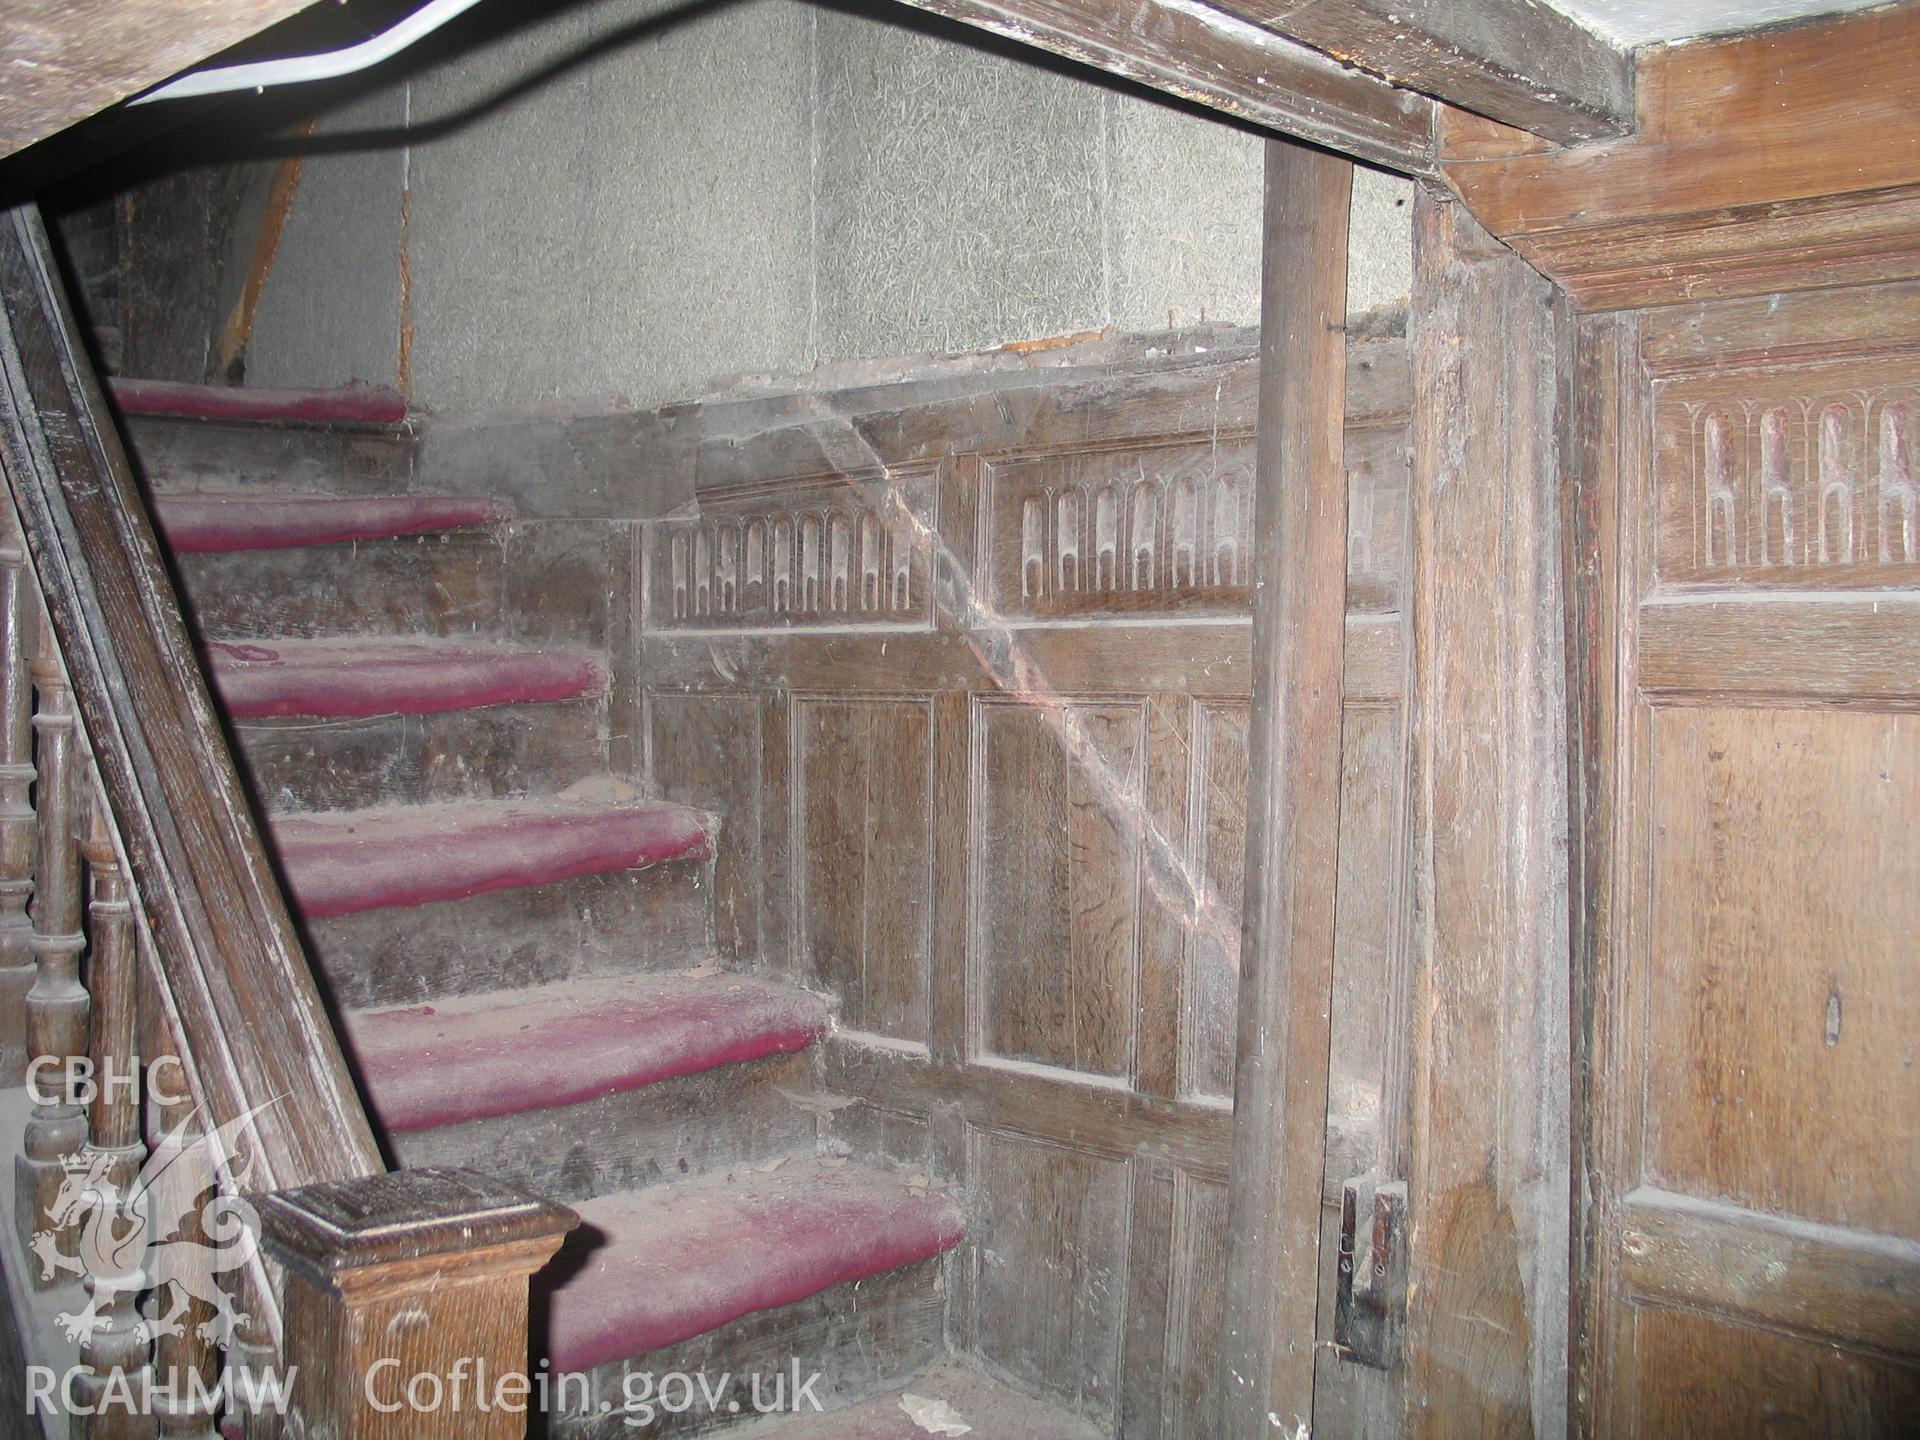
(982, 727)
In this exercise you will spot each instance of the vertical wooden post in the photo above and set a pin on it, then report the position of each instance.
(1293, 802)
(57, 1003)
(406, 1302)
(18, 606)
(184, 1367)
(114, 1149)
(1489, 1200)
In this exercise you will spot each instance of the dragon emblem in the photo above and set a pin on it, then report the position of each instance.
(141, 1240)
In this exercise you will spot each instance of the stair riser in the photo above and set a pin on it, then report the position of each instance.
(451, 585)
(617, 923)
(859, 1337)
(178, 454)
(875, 1135)
(569, 582)
(734, 1117)
(297, 765)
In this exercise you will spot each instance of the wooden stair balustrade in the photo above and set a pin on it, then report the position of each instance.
(57, 1003)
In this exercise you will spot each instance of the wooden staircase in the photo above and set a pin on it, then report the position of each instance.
(517, 943)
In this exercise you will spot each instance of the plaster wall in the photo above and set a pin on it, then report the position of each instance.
(629, 201)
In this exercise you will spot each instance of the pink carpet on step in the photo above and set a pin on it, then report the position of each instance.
(209, 523)
(507, 1053)
(353, 404)
(682, 1259)
(348, 679)
(415, 854)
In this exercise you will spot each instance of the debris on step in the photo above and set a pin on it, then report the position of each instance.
(987, 1408)
(936, 1417)
(819, 1101)
(601, 790)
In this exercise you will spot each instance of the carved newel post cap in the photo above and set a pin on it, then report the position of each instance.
(401, 1225)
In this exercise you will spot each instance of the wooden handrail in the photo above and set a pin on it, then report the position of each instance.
(229, 958)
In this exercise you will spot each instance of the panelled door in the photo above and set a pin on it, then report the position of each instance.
(1750, 529)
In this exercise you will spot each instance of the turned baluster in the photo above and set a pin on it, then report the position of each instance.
(17, 608)
(185, 1363)
(115, 1355)
(56, 1003)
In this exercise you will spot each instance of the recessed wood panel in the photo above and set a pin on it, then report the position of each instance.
(1058, 810)
(1783, 1034)
(1807, 477)
(1376, 518)
(1367, 1024)
(1048, 1248)
(1197, 1294)
(1708, 1380)
(863, 823)
(1219, 828)
(706, 751)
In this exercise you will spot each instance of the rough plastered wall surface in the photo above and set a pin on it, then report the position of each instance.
(631, 201)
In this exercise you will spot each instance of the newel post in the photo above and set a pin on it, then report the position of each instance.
(405, 1305)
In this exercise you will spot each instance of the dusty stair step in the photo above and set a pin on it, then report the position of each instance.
(514, 751)
(345, 862)
(510, 1052)
(941, 1394)
(356, 403)
(446, 583)
(652, 1268)
(221, 522)
(340, 679)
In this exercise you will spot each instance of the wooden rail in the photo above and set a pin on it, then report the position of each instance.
(144, 930)
(249, 1013)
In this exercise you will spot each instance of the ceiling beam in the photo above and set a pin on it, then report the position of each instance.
(1199, 53)
(1780, 159)
(1517, 61)
(63, 60)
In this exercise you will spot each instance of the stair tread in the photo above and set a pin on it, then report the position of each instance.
(339, 862)
(992, 1410)
(214, 522)
(677, 1260)
(356, 403)
(355, 678)
(508, 1052)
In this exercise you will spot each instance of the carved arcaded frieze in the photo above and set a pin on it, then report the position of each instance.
(814, 551)
(1790, 485)
(1162, 526)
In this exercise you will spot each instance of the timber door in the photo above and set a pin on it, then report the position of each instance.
(1748, 603)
